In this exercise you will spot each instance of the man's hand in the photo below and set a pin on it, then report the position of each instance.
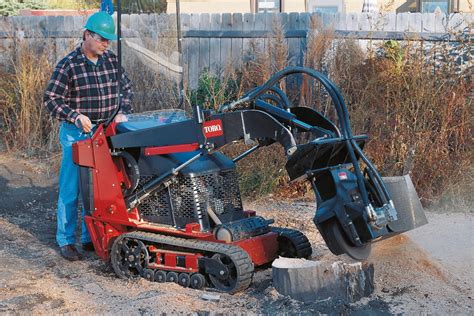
(84, 123)
(120, 118)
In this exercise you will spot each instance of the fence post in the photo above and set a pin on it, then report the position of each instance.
(185, 20)
(193, 54)
(248, 25)
(204, 60)
(215, 44)
(237, 25)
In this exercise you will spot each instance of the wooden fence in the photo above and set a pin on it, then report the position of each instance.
(212, 41)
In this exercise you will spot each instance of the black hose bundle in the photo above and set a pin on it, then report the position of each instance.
(280, 98)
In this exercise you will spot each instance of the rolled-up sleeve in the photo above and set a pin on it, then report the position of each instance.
(57, 93)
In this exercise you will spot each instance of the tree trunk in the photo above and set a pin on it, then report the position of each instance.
(310, 281)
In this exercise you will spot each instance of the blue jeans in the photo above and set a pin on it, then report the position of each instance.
(69, 189)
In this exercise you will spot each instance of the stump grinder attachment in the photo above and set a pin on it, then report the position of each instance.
(355, 207)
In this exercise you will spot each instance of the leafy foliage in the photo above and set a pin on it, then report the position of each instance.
(12, 7)
(143, 6)
(214, 90)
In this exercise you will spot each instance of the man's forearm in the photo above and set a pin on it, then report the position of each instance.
(59, 109)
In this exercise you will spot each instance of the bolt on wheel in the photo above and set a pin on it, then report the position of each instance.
(198, 281)
(148, 274)
(225, 280)
(172, 277)
(184, 279)
(160, 276)
(129, 257)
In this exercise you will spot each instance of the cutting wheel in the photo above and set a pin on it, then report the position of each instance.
(338, 243)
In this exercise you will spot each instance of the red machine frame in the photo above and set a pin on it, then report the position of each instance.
(111, 218)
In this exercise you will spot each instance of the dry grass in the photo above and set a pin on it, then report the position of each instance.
(420, 118)
(155, 87)
(418, 115)
(417, 111)
(27, 125)
(152, 90)
(263, 62)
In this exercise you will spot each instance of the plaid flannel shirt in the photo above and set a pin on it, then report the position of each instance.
(78, 86)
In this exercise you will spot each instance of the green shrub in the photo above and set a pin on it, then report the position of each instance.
(12, 7)
(214, 90)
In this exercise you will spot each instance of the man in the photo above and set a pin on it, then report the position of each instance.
(81, 93)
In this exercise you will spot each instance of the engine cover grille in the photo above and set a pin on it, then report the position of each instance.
(157, 205)
(188, 197)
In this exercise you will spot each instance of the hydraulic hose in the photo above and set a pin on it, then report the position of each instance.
(272, 97)
(333, 92)
(282, 96)
(342, 114)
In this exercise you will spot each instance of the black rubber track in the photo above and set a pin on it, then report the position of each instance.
(301, 244)
(241, 259)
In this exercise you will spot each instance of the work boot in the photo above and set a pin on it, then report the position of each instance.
(88, 246)
(70, 253)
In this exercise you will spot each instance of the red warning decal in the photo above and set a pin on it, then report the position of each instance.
(213, 128)
(342, 175)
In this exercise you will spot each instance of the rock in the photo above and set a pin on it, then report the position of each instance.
(310, 281)
(211, 297)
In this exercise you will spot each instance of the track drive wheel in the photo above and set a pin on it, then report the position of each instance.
(292, 243)
(338, 243)
(226, 280)
(129, 257)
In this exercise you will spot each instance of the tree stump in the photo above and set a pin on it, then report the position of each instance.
(310, 281)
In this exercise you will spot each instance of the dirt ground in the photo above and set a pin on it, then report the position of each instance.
(426, 271)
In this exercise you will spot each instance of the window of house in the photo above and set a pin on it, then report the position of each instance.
(430, 6)
(445, 6)
(264, 6)
(325, 6)
(325, 9)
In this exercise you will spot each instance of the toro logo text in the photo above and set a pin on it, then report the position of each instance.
(213, 128)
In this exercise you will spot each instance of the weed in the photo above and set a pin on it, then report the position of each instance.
(27, 125)
(415, 104)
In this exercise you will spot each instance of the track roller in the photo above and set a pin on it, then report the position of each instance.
(172, 277)
(184, 280)
(160, 276)
(198, 281)
(148, 274)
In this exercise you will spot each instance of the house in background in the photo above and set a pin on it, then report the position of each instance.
(325, 6)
